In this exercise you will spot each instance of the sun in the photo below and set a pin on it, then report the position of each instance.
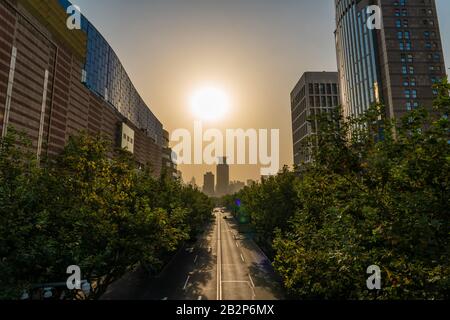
(210, 103)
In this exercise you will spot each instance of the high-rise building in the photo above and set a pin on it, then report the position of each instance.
(223, 177)
(56, 82)
(395, 62)
(235, 187)
(208, 183)
(315, 93)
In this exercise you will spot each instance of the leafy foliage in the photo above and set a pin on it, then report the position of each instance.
(377, 193)
(87, 209)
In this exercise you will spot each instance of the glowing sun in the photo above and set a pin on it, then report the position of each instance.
(209, 103)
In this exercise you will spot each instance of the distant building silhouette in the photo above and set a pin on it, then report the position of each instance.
(193, 182)
(208, 183)
(223, 177)
(235, 186)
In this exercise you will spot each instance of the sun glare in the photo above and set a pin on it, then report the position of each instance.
(210, 103)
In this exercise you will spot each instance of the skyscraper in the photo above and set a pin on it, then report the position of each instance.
(223, 177)
(315, 93)
(208, 183)
(395, 64)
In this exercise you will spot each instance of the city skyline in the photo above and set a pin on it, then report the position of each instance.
(104, 116)
(183, 44)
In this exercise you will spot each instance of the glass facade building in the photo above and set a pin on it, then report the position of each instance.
(396, 62)
(357, 57)
(105, 75)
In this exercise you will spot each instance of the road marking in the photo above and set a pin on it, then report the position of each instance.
(234, 281)
(195, 259)
(251, 281)
(242, 257)
(219, 262)
(186, 283)
(199, 297)
(209, 249)
(165, 298)
(237, 244)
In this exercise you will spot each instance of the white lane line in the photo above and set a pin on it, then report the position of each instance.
(199, 297)
(195, 259)
(237, 244)
(165, 298)
(251, 281)
(219, 262)
(242, 257)
(186, 283)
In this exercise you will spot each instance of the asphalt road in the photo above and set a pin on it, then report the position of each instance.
(222, 265)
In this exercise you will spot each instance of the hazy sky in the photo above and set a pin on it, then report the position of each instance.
(256, 50)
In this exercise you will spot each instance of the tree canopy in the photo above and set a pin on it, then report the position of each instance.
(89, 207)
(377, 193)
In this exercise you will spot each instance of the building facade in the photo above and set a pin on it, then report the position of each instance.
(396, 64)
(315, 93)
(56, 82)
(208, 184)
(223, 177)
(168, 158)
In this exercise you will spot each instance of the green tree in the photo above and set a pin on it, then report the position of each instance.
(89, 207)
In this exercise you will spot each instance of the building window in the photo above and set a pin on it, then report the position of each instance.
(407, 94)
(404, 70)
(408, 106)
(335, 90)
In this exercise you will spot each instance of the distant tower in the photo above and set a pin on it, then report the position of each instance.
(208, 183)
(193, 183)
(223, 177)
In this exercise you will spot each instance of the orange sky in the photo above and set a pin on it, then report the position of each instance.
(256, 50)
